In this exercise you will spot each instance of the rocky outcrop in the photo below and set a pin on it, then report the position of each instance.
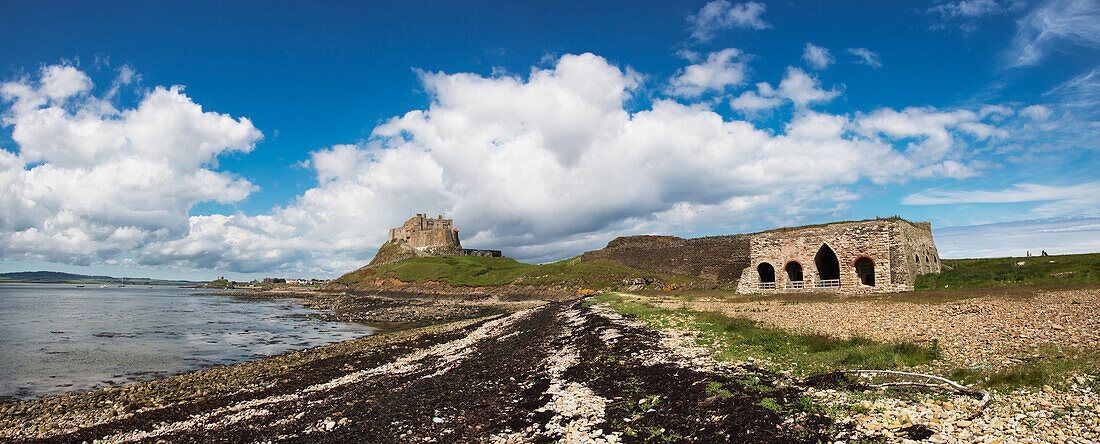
(394, 251)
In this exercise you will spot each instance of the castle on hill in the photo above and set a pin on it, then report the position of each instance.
(422, 236)
(426, 234)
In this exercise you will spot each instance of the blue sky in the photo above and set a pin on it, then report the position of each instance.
(282, 138)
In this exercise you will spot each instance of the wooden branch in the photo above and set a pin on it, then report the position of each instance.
(953, 386)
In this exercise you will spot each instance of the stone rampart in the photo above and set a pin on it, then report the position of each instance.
(717, 257)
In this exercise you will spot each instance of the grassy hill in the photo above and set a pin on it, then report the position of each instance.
(492, 271)
(218, 283)
(1014, 271)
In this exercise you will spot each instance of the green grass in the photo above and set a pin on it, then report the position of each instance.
(733, 338)
(1072, 269)
(493, 271)
(1046, 367)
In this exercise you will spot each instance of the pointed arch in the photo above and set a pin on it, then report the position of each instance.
(828, 267)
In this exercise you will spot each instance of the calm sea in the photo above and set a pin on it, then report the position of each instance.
(60, 338)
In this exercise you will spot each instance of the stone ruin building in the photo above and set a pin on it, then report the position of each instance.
(424, 233)
(435, 237)
(880, 255)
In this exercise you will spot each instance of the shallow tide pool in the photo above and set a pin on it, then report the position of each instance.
(60, 338)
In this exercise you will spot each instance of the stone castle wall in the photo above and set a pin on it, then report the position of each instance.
(424, 233)
(882, 255)
(717, 257)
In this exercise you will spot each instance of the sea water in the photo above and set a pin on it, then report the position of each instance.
(60, 338)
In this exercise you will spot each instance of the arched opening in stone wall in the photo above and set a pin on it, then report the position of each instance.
(794, 271)
(766, 272)
(828, 267)
(865, 269)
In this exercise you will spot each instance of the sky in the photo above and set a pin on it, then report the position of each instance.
(253, 139)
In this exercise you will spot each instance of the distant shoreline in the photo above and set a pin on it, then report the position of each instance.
(138, 284)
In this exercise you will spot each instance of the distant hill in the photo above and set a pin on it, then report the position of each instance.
(55, 277)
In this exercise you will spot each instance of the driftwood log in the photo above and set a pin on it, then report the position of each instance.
(945, 384)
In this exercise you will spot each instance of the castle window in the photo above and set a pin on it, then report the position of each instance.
(865, 269)
(828, 267)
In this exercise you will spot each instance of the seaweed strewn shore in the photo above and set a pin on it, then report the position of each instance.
(615, 367)
(542, 373)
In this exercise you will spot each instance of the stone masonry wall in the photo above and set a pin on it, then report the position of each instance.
(919, 250)
(434, 239)
(422, 232)
(898, 251)
(849, 241)
(717, 257)
(891, 245)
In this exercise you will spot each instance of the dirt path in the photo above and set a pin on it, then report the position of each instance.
(561, 372)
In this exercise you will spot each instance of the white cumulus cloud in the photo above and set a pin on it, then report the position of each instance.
(91, 181)
(721, 70)
(542, 166)
(817, 57)
(797, 87)
(561, 166)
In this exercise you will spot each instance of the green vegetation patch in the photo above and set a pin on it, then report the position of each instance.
(1072, 269)
(492, 271)
(1047, 366)
(218, 283)
(733, 338)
